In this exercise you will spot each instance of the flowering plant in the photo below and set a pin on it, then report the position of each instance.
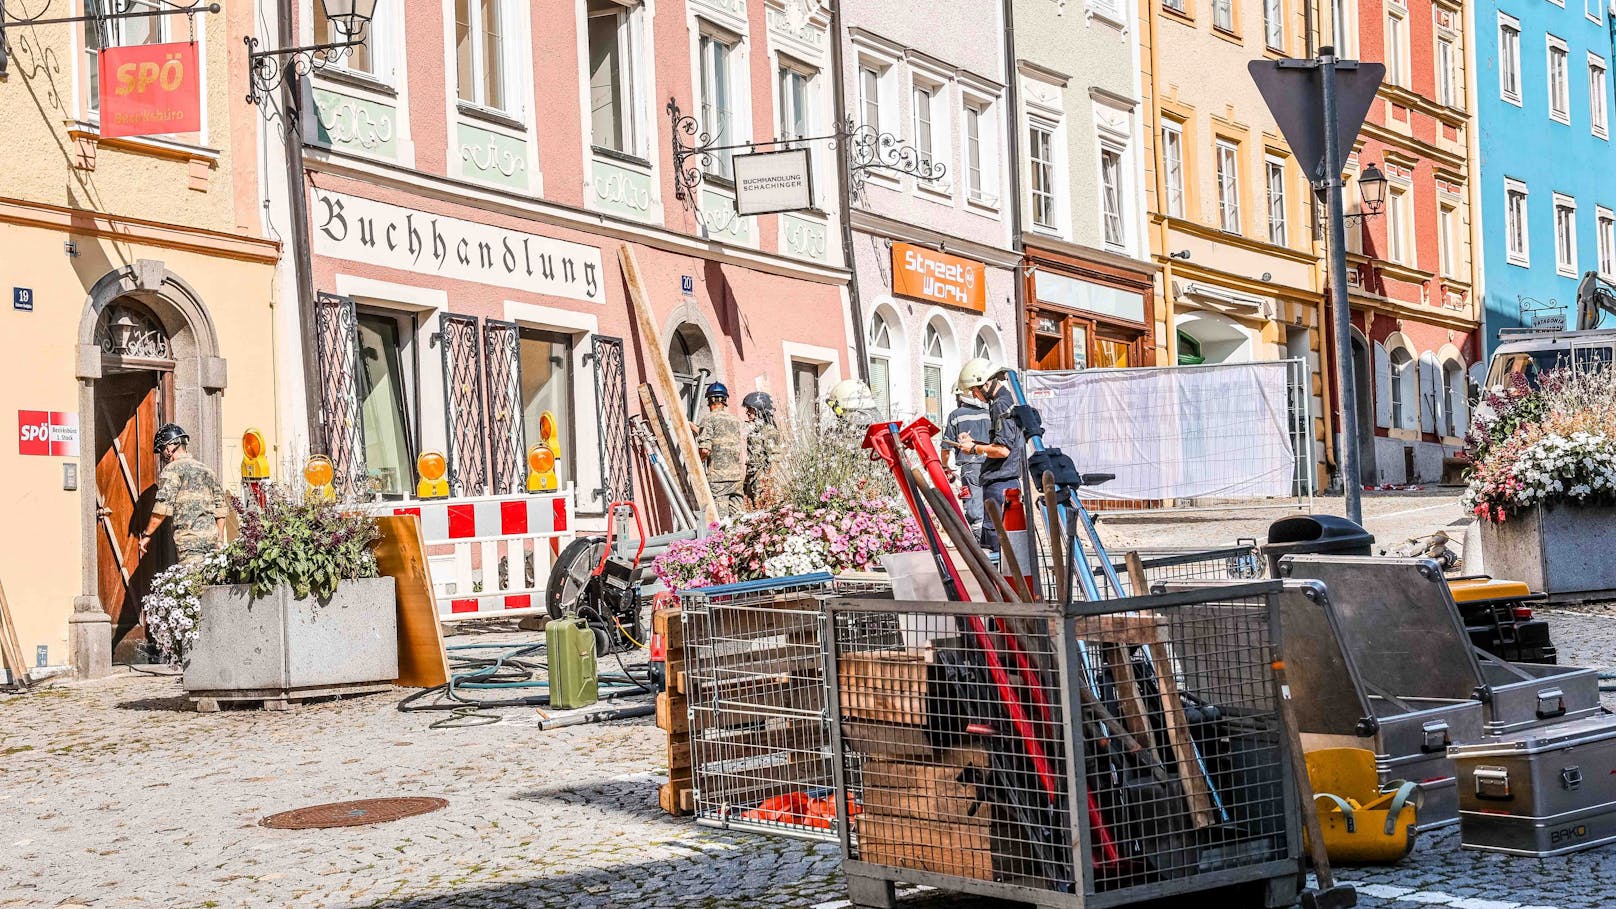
(847, 530)
(307, 544)
(172, 609)
(1555, 443)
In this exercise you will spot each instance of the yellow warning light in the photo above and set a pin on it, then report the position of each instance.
(319, 472)
(254, 458)
(542, 457)
(433, 468)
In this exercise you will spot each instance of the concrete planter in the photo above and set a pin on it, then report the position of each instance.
(280, 647)
(1563, 550)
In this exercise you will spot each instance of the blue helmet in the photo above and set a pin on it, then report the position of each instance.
(717, 391)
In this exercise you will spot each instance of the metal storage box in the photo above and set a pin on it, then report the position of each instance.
(1336, 709)
(1408, 640)
(1540, 792)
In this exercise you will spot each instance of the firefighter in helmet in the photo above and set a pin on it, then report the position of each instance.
(853, 402)
(762, 445)
(1004, 448)
(189, 493)
(720, 439)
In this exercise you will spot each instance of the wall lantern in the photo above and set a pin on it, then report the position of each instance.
(269, 68)
(1372, 190)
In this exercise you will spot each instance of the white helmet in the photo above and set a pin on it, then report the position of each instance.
(976, 373)
(850, 395)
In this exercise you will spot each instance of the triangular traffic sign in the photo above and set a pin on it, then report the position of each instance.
(1294, 93)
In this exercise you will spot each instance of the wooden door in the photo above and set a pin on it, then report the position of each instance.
(128, 412)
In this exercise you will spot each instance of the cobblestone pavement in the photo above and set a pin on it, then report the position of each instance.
(112, 794)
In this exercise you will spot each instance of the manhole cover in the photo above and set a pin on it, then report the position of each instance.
(352, 814)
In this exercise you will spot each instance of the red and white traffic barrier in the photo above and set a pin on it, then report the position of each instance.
(469, 541)
(1015, 530)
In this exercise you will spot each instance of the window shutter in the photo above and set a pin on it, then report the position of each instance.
(881, 384)
(1383, 387)
(1429, 405)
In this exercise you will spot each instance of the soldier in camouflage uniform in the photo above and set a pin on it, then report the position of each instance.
(188, 492)
(720, 441)
(762, 445)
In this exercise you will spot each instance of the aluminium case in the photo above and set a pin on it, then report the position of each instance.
(1335, 708)
(1408, 639)
(1540, 792)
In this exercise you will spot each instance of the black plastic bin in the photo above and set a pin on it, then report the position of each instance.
(1314, 534)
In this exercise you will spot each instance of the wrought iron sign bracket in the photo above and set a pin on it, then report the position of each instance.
(267, 69)
(868, 150)
(121, 9)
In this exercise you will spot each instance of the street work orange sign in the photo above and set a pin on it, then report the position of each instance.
(150, 89)
(939, 277)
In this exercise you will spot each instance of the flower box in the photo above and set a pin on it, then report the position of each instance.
(280, 646)
(1563, 550)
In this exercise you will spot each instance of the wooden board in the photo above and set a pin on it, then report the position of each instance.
(672, 714)
(957, 849)
(660, 437)
(401, 555)
(10, 649)
(662, 379)
(676, 800)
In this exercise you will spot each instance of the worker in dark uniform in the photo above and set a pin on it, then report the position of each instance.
(721, 441)
(762, 446)
(1004, 450)
(971, 416)
(189, 493)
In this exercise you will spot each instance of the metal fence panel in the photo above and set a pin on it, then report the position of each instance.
(502, 363)
(336, 326)
(611, 396)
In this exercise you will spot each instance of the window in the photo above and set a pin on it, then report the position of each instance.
(1173, 166)
(1114, 222)
(881, 363)
(931, 373)
(1275, 168)
(869, 88)
(1397, 224)
(477, 46)
(1396, 47)
(986, 346)
(1509, 58)
(1223, 15)
(361, 58)
(1041, 154)
(1607, 241)
(1559, 81)
(1565, 235)
(1447, 74)
(547, 376)
(920, 133)
(1593, 9)
(1228, 161)
(1450, 399)
(1344, 16)
(1404, 375)
(1274, 24)
(1447, 238)
(128, 32)
(1515, 235)
(796, 87)
(1598, 103)
(1176, 6)
(385, 387)
(718, 101)
(611, 78)
(973, 152)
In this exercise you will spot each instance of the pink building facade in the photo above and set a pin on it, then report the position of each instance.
(475, 174)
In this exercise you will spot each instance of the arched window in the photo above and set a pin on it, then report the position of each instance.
(987, 345)
(1454, 401)
(931, 371)
(881, 352)
(1405, 413)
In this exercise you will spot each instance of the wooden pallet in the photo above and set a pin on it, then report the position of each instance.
(678, 795)
(279, 698)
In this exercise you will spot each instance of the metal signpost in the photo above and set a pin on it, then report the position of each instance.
(1320, 105)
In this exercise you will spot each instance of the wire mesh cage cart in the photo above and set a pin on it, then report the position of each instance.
(754, 678)
(1118, 751)
(1241, 562)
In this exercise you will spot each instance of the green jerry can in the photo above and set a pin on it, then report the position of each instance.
(569, 645)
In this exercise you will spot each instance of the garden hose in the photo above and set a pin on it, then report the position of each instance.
(509, 669)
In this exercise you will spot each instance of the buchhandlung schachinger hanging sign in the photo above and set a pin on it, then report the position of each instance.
(376, 233)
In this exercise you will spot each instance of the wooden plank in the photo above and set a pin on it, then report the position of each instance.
(671, 713)
(662, 378)
(401, 555)
(678, 751)
(1196, 788)
(956, 849)
(10, 647)
(676, 800)
(1133, 710)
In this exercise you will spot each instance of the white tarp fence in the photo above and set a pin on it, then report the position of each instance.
(1177, 432)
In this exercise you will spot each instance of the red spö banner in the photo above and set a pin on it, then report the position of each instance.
(150, 89)
(45, 432)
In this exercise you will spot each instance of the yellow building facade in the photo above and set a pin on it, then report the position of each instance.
(141, 292)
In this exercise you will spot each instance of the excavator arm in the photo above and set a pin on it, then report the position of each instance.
(1595, 296)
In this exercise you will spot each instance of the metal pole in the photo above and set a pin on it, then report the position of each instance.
(1346, 393)
(844, 181)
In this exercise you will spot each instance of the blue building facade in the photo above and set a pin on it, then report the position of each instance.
(1547, 166)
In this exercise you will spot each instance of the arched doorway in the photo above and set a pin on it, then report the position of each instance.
(1364, 389)
(690, 358)
(147, 354)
